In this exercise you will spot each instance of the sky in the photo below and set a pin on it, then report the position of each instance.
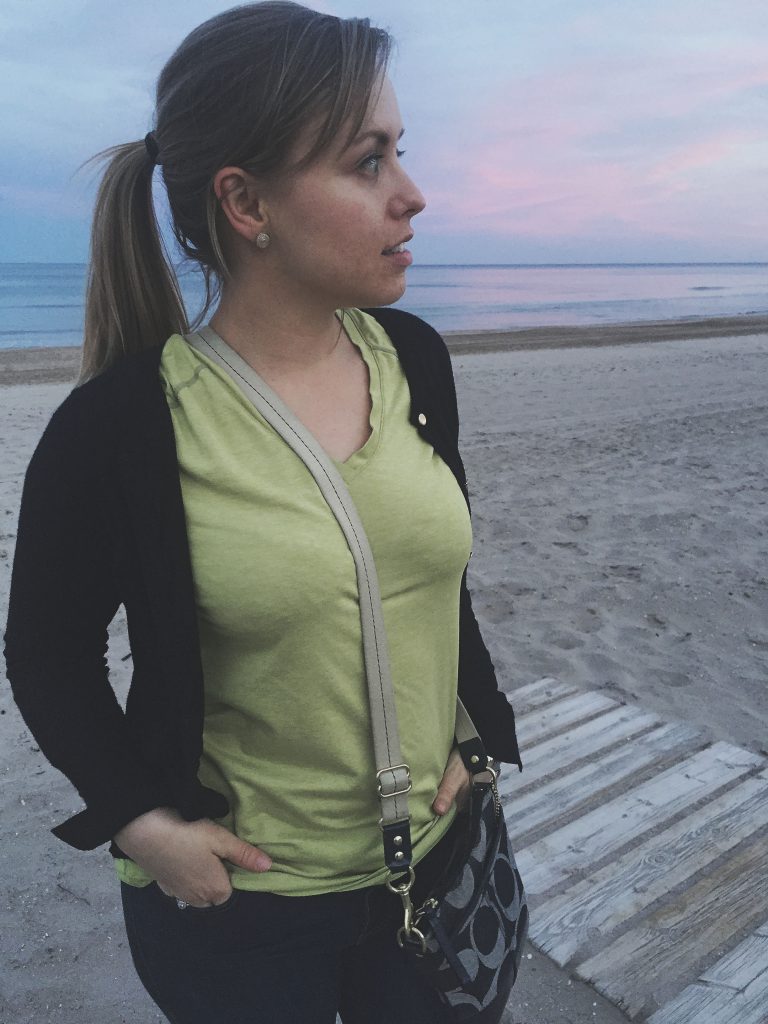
(544, 131)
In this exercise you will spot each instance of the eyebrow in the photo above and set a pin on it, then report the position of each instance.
(382, 137)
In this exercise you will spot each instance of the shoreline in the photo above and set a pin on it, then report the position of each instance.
(596, 335)
(60, 365)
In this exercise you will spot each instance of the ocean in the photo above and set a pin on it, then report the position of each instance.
(41, 304)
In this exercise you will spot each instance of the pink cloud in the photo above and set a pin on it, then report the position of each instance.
(629, 142)
(702, 154)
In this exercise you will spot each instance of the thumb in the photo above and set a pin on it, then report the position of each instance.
(240, 853)
(455, 778)
(445, 795)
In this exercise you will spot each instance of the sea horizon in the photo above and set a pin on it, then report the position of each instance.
(42, 302)
(606, 263)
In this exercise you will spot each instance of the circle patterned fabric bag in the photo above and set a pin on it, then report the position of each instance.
(468, 936)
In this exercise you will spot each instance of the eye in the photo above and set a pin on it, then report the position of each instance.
(371, 163)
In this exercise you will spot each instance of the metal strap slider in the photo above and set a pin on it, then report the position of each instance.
(400, 789)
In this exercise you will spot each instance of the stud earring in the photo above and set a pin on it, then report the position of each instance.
(262, 240)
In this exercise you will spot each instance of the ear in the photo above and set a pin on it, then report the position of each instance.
(243, 206)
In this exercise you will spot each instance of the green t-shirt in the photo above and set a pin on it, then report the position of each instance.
(287, 735)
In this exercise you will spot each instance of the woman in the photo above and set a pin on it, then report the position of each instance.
(236, 787)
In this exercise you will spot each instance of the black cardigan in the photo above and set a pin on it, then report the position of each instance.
(102, 524)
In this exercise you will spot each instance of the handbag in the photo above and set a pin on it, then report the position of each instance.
(467, 937)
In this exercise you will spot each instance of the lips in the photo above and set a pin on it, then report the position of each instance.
(399, 247)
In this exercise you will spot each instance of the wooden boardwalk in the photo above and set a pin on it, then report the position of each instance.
(643, 847)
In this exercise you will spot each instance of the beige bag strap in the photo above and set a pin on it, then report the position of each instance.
(393, 777)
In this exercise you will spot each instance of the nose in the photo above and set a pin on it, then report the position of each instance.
(409, 199)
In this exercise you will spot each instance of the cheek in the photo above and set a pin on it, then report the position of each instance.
(334, 218)
(331, 230)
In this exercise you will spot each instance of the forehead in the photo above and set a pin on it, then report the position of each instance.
(381, 117)
(383, 112)
(381, 125)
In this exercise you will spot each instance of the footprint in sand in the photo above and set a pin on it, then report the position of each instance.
(587, 620)
(495, 614)
(566, 641)
(601, 666)
(672, 679)
(577, 522)
(627, 572)
(571, 545)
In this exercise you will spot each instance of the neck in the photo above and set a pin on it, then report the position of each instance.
(276, 332)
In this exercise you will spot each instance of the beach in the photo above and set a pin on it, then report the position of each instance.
(53, 365)
(619, 486)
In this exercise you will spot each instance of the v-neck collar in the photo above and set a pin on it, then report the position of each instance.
(355, 462)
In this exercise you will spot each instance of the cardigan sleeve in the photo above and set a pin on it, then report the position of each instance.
(488, 706)
(64, 593)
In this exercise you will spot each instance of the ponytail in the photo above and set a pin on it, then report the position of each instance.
(133, 300)
(239, 90)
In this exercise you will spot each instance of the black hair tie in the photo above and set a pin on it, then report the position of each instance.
(152, 147)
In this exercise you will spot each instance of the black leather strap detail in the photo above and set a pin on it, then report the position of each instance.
(398, 830)
(473, 749)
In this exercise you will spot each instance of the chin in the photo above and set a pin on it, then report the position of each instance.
(388, 294)
(369, 294)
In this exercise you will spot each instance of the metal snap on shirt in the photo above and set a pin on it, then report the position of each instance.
(422, 419)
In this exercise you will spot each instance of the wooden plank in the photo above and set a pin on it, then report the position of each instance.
(671, 941)
(541, 723)
(548, 862)
(588, 783)
(701, 1004)
(584, 740)
(543, 691)
(568, 925)
(741, 966)
(696, 1004)
(704, 1004)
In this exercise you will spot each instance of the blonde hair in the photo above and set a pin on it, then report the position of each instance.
(238, 91)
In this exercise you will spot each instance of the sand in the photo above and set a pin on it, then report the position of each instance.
(620, 501)
(621, 522)
(49, 365)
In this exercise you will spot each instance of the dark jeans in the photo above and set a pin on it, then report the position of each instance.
(260, 958)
